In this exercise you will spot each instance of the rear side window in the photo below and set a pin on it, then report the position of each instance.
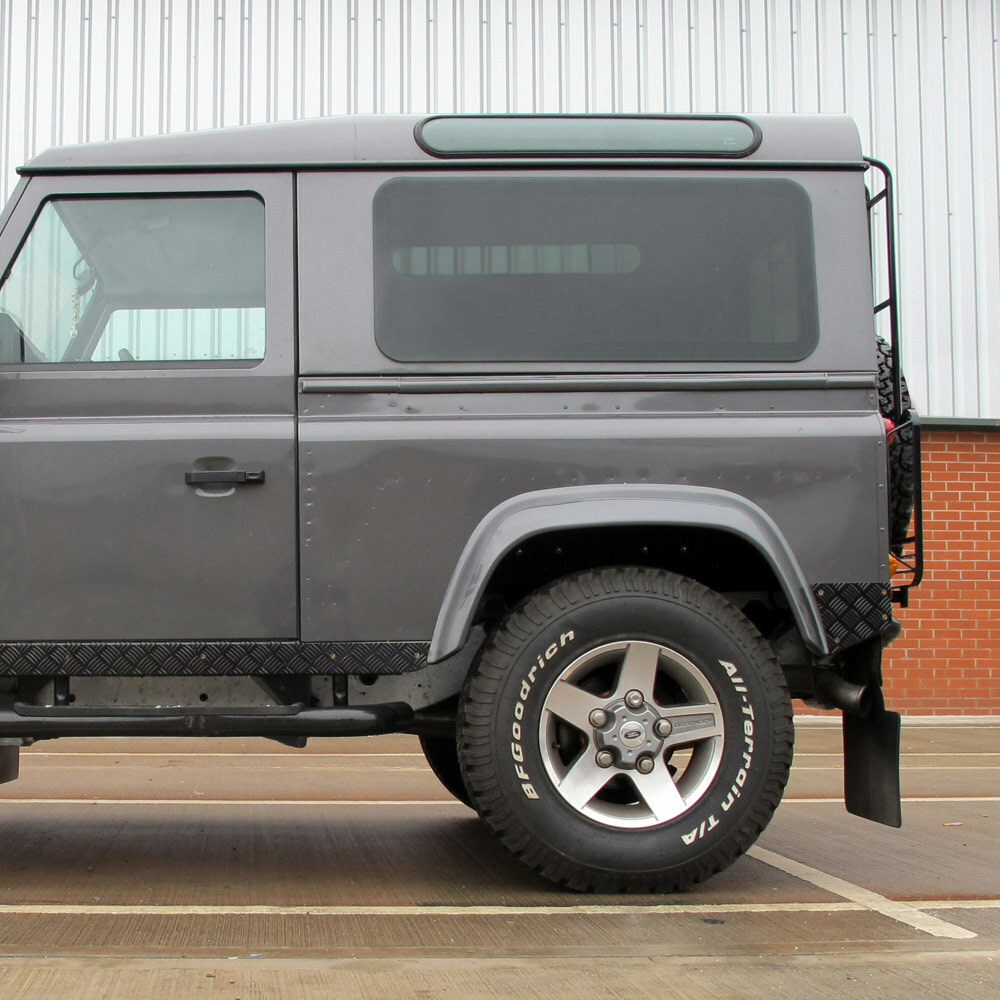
(137, 279)
(581, 269)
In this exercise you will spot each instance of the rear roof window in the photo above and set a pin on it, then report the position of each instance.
(587, 135)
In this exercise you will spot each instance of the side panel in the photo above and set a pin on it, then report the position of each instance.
(394, 484)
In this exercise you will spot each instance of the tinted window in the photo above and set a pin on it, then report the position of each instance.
(590, 135)
(137, 279)
(573, 269)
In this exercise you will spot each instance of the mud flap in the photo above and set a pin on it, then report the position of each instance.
(871, 766)
(9, 760)
(871, 744)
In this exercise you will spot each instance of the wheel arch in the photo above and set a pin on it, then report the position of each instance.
(530, 515)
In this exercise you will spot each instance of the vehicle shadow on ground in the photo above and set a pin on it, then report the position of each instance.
(296, 856)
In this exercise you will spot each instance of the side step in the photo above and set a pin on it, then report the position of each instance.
(47, 722)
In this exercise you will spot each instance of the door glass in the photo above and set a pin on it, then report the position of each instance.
(137, 279)
(182, 335)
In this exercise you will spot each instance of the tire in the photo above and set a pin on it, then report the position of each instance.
(901, 451)
(442, 756)
(585, 643)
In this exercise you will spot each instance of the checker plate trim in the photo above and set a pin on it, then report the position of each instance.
(852, 613)
(209, 659)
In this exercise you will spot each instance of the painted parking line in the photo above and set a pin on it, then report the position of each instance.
(915, 724)
(894, 909)
(912, 753)
(300, 755)
(474, 910)
(458, 910)
(400, 802)
(912, 767)
(955, 904)
(185, 754)
(375, 761)
(820, 800)
(236, 802)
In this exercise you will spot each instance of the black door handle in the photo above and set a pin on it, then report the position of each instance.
(223, 476)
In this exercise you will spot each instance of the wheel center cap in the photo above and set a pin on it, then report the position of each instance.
(629, 733)
(632, 734)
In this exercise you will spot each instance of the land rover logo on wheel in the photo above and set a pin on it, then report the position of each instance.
(632, 733)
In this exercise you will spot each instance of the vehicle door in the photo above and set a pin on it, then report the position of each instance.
(147, 394)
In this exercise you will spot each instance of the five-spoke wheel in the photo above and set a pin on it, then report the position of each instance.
(631, 733)
(626, 730)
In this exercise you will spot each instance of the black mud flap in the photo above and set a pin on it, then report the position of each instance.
(871, 766)
(9, 759)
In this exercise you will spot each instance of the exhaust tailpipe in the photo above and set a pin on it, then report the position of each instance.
(832, 691)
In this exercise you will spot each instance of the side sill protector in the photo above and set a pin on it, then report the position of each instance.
(208, 659)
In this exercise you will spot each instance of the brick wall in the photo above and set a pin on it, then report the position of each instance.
(947, 661)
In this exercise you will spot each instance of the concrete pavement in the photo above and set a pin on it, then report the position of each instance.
(239, 869)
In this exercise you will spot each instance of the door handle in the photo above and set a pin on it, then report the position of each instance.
(224, 476)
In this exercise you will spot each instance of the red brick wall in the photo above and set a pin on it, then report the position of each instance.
(947, 661)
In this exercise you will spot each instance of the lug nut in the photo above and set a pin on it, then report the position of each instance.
(634, 699)
(644, 764)
(598, 718)
(604, 758)
(663, 727)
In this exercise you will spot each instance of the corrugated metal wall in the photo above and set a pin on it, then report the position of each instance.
(922, 78)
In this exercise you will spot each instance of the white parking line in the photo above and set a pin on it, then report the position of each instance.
(915, 723)
(584, 909)
(397, 802)
(184, 753)
(895, 910)
(300, 755)
(420, 910)
(955, 904)
(913, 767)
(374, 762)
(235, 802)
(912, 753)
(906, 798)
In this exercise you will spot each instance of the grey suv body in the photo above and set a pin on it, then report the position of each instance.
(554, 440)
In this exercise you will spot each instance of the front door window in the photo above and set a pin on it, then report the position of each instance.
(137, 279)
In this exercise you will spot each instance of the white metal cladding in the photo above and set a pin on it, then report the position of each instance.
(921, 77)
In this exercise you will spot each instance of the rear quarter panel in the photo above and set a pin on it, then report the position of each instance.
(392, 483)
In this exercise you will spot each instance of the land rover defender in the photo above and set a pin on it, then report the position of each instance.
(569, 444)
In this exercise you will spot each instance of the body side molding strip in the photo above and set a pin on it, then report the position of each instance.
(555, 382)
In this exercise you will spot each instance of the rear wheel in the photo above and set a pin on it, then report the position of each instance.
(626, 730)
(442, 756)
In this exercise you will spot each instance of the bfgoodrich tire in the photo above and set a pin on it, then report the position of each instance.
(441, 754)
(626, 730)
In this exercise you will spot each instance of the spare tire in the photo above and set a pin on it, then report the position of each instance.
(902, 464)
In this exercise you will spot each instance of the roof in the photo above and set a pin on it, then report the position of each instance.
(373, 140)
